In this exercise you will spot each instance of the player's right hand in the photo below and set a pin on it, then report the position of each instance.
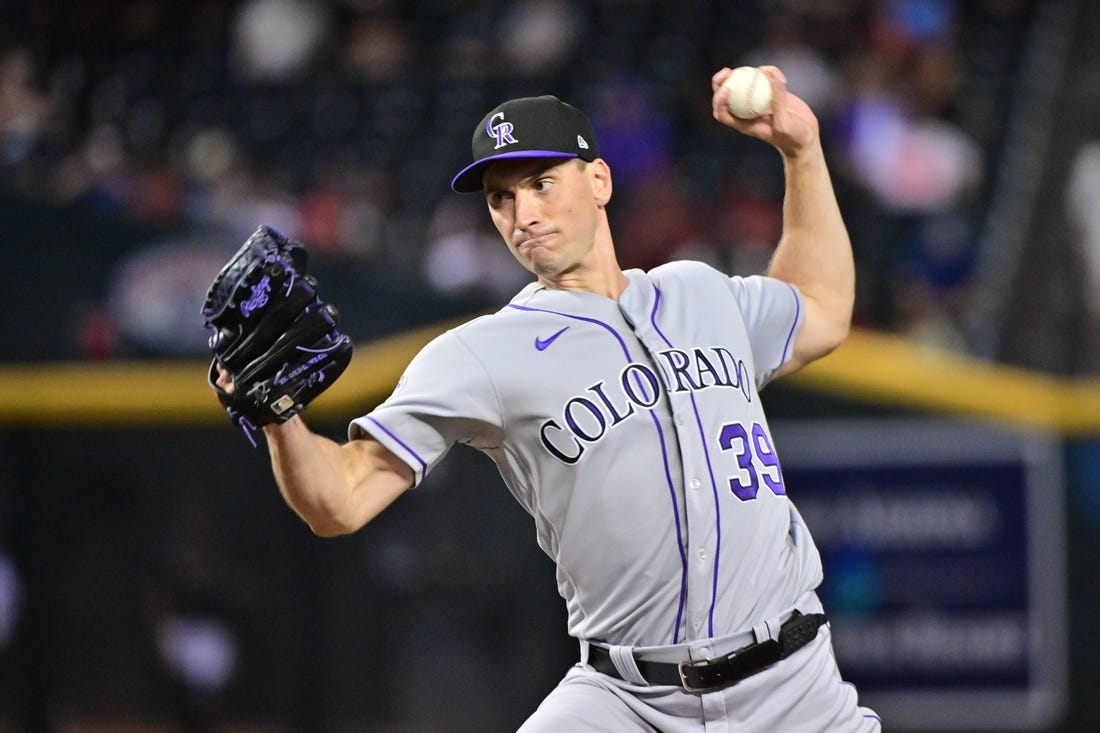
(791, 126)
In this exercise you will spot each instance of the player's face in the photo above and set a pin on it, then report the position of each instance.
(547, 210)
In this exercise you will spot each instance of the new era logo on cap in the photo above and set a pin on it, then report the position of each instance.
(529, 127)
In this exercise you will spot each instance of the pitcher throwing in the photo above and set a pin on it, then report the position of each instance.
(622, 410)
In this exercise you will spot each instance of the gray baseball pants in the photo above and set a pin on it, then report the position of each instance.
(802, 693)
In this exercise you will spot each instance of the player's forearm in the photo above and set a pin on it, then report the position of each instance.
(815, 252)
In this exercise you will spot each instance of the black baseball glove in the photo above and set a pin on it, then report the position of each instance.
(271, 332)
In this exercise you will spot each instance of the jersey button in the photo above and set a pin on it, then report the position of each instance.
(694, 483)
(702, 553)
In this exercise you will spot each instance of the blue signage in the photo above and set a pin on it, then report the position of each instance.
(942, 543)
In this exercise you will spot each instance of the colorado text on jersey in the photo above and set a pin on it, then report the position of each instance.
(587, 417)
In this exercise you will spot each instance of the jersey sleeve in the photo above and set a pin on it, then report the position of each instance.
(772, 311)
(444, 397)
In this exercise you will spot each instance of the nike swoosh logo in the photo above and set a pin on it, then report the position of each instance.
(541, 344)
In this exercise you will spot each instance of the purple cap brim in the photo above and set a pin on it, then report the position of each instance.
(468, 179)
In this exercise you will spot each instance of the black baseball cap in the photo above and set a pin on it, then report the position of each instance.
(529, 127)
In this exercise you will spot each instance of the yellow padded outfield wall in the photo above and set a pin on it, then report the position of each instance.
(872, 367)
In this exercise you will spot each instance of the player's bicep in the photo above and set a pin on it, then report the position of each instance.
(819, 333)
(805, 346)
(378, 478)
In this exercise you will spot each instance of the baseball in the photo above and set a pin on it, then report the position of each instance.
(750, 92)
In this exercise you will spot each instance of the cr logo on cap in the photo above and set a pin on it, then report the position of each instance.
(502, 131)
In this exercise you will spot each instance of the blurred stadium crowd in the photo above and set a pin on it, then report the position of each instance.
(341, 122)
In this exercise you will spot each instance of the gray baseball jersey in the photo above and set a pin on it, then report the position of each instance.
(632, 431)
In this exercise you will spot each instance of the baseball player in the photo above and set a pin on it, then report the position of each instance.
(622, 409)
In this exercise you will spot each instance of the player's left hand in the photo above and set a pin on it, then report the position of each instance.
(790, 125)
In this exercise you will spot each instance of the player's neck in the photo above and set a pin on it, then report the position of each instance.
(598, 273)
(608, 284)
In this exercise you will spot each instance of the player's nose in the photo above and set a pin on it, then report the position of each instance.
(527, 210)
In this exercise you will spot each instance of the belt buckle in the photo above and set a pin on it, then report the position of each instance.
(746, 661)
(684, 682)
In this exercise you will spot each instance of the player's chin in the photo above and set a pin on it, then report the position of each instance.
(537, 258)
(546, 260)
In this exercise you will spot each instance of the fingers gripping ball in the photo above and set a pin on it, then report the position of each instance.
(750, 92)
(272, 332)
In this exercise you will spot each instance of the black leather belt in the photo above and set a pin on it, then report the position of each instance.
(702, 675)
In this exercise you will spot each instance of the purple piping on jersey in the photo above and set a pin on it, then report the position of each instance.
(679, 532)
(790, 335)
(664, 454)
(403, 444)
(717, 518)
(710, 472)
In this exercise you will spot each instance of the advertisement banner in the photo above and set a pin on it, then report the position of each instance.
(943, 548)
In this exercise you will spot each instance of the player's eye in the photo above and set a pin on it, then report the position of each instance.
(497, 198)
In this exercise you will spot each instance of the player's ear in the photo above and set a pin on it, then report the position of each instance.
(599, 174)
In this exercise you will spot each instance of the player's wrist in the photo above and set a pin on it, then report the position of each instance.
(805, 157)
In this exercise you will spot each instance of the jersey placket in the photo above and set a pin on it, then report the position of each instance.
(700, 516)
(695, 490)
